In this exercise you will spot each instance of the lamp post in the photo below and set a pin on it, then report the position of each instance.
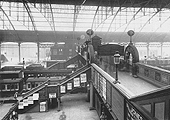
(89, 32)
(116, 62)
(78, 46)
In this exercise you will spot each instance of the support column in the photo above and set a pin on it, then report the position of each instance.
(38, 51)
(91, 96)
(19, 51)
(147, 46)
(161, 49)
(0, 55)
(58, 103)
(58, 99)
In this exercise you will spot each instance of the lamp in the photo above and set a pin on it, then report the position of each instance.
(131, 33)
(116, 62)
(103, 116)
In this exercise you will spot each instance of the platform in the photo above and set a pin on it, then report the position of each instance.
(74, 106)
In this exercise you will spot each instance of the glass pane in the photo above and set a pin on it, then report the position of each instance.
(3, 87)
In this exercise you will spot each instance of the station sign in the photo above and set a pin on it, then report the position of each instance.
(52, 95)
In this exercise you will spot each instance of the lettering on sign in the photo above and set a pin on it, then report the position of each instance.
(76, 82)
(25, 102)
(52, 95)
(21, 105)
(83, 78)
(30, 100)
(69, 86)
(63, 89)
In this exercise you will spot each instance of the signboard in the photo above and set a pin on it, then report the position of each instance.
(62, 89)
(69, 86)
(83, 78)
(25, 102)
(35, 96)
(52, 95)
(76, 82)
(42, 106)
(30, 100)
(20, 106)
(132, 114)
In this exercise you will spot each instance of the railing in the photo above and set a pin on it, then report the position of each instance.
(10, 112)
(116, 97)
(156, 62)
(63, 65)
(74, 74)
(46, 73)
(35, 89)
(153, 74)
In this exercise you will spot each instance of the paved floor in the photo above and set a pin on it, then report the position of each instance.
(74, 106)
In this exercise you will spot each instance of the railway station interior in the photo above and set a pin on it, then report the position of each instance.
(85, 59)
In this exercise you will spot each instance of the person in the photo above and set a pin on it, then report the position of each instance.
(62, 116)
(16, 95)
(145, 60)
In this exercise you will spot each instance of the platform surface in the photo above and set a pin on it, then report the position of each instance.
(136, 85)
(4, 108)
(74, 106)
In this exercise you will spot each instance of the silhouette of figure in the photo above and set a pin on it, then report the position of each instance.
(15, 95)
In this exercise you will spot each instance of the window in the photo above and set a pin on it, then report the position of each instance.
(28, 86)
(8, 87)
(3, 87)
(36, 84)
(60, 51)
(33, 85)
(12, 87)
(16, 86)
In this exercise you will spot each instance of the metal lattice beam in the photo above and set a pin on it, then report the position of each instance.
(19, 40)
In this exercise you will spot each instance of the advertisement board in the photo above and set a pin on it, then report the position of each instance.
(62, 89)
(83, 78)
(69, 86)
(76, 82)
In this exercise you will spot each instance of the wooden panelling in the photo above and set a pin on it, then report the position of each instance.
(117, 104)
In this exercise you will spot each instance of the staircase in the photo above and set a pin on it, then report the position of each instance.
(63, 65)
(31, 99)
